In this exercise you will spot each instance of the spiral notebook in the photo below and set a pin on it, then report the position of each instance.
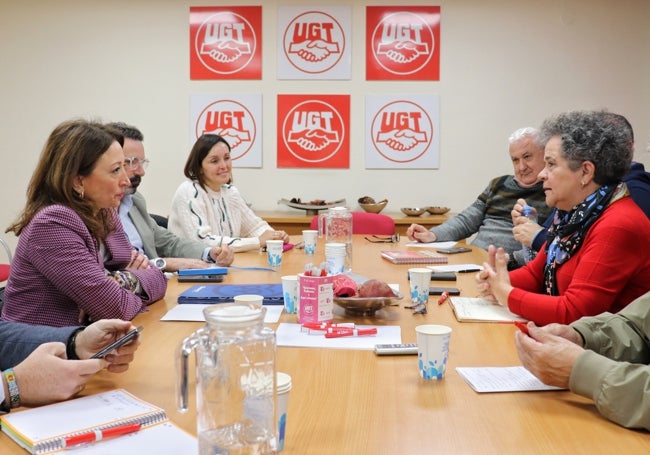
(44, 430)
(220, 293)
(414, 257)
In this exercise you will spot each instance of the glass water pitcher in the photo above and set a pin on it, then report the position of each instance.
(235, 380)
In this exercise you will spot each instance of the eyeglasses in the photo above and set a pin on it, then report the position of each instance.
(133, 163)
(376, 239)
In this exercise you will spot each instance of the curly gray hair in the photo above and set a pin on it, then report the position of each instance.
(603, 138)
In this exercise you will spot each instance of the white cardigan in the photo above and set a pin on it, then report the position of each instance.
(208, 215)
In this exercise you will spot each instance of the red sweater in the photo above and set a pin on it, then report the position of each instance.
(611, 268)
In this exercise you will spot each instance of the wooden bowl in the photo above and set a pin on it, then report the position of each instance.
(413, 211)
(374, 208)
(366, 306)
(438, 210)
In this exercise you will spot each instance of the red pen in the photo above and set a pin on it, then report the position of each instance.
(351, 333)
(443, 297)
(326, 325)
(522, 326)
(98, 435)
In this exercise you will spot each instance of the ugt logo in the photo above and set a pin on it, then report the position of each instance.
(230, 120)
(401, 131)
(313, 42)
(403, 43)
(313, 131)
(225, 42)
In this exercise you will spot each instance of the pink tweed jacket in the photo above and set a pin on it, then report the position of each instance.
(57, 271)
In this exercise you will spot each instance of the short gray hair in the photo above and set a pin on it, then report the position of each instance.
(596, 136)
(521, 133)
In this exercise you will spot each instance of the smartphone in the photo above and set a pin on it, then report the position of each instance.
(200, 278)
(454, 250)
(439, 276)
(436, 290)
(119, 342)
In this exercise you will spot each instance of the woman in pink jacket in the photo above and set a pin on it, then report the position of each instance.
(73, 262)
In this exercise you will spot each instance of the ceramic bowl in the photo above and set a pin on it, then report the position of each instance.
(374, 208)
(413, 211)
(437, 210)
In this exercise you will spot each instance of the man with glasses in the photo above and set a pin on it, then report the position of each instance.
(166, 250)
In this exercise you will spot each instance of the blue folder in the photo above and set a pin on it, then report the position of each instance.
(220, 293)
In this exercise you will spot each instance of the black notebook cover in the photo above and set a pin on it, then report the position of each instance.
(220, 293)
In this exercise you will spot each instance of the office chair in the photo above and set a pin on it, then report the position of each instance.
(4, 268)
(367, 223)
(159, 219)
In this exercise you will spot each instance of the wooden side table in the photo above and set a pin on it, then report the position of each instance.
(293, 223)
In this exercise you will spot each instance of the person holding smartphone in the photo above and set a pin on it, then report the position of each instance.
(604, 358)
(42, 364)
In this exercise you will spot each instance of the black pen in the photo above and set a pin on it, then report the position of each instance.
(468, 270)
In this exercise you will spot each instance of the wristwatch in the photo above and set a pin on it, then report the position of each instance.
(159, 263)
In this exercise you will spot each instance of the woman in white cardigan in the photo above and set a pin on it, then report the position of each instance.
(209, 208)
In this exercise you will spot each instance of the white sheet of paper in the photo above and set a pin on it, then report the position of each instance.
(431, 244)
(455, 267)
(194, 312)
(502, 379)
(291, 335)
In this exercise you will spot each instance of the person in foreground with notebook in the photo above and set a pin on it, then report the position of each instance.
(489, 216)
(595, 256)
(166, 250)
(605, 358)
(41, 365)
(207, 207)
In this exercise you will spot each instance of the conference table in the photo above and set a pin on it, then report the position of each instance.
(347, 401)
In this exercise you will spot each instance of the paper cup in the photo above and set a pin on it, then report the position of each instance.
(310, 237)
(283, 386)
(290, 293)
(419, 282)
(274, 252)
(433, 350)
(335, 258)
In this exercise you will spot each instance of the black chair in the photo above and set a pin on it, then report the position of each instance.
(159, 219)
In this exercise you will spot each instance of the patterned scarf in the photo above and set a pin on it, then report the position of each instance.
(569, 230)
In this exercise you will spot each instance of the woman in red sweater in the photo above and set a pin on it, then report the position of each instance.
(595, 257)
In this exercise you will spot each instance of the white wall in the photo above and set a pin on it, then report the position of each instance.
(504, 64)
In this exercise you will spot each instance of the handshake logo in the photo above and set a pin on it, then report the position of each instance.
(313, 42)
(401, 131)
(403, 43)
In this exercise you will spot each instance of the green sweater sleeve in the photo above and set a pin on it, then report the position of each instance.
(614, 370)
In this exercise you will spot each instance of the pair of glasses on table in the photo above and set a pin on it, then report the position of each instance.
(418, 308)
(377, 239)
